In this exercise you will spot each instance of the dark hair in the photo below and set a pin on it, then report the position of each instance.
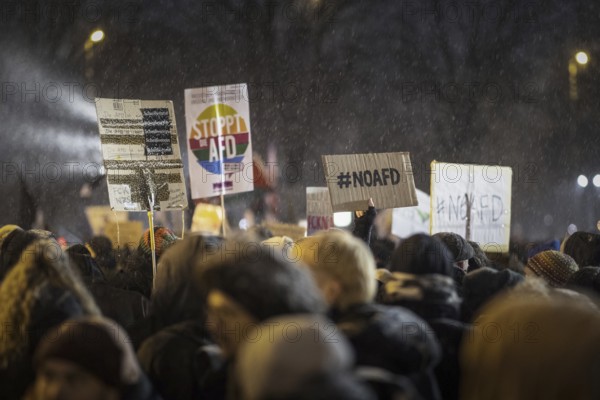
(584, 248)
(586, 280)
(105, 254)
(264, 284)
(422, 254)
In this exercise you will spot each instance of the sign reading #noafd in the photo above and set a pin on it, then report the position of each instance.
(473, 201)
(354, 178)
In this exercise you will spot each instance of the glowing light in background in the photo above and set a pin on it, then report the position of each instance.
(582, 57)
(97, 36)
(596, 180)
(582, 181)
(342, 219)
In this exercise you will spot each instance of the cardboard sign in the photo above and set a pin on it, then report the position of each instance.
(408, 221)
(126, 233)
(218, 138)
(141, 154)
(294, 232)
(319, 215)
(473, 201)
(99, 216)
(208, 219)
(354, 178)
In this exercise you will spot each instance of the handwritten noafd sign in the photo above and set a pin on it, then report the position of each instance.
(473, 201)
(219, 146)
(141, 154)
(319, 215)
(354, 178)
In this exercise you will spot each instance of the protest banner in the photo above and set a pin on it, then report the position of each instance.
(99, 216)
(473, 201)
(207, 219)
(319, 215)
(218, 137)
(408, 221)
(141, 155)
(126, 233)
(354, 178)
(294, 232)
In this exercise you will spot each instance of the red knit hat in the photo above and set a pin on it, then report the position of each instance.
(163, 239)
(553, 267)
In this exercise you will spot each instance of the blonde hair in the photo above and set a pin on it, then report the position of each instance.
(532, 348)
(346, 259)
(42, 263)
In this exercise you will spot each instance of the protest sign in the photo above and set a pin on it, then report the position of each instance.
(354, 178)
(99, 216)
(218, 137)
(408, 221)
(126, 233)
(207, 219)
(473, 201)
(141, 154)
(294, 232)
(319, 215)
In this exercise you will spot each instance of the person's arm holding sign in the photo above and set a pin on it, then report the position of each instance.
(363, 222)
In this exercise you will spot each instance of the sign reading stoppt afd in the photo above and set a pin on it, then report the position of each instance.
(354, 178)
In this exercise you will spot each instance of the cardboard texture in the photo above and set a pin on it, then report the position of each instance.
(354, 178)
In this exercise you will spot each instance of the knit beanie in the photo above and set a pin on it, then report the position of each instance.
(553, 267)
(163, 238)
(482, 285)
(96, 344)
(458, 246)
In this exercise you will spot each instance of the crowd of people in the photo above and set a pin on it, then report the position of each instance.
(336, 315)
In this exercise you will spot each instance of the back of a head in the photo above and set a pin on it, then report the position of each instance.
(96, 344)
(460, 248)
(525, 348)
(176, 296)
(586, 280)
(421, 254)
(584, 248)
(288, 351)
(344, 258)
(553, 267)
(481, 285)
(264, 283)
(13, 245)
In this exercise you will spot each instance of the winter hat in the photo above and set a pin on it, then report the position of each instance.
(96, 344)
(13, 245)
(551, 245)
(482, 285)
(5, 231)
(421, 254)
(287, 351)
(430, 296)
(554, 267)
(460, 248)
(163, 238)
(584, 247)
(587, 278)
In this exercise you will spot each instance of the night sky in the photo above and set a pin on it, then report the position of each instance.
(471, 82)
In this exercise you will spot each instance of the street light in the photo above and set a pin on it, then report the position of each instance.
(575, 64)
(88, 49)
(581, 58)
(596, 180)
(98, 35)
(582, 181)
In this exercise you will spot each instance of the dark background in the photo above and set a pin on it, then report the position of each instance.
(479, 82)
